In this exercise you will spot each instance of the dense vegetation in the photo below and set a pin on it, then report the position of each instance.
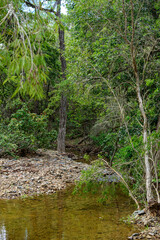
(108, 69)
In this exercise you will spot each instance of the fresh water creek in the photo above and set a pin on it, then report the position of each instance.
(64, 216)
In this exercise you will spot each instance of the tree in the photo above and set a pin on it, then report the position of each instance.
(121, 50)
(24, 59)
(31, 70)
(63, 108)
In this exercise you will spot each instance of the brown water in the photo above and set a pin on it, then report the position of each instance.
(63, 216)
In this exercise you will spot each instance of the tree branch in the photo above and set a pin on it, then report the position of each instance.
(125, 17)
(29, 4)
(124, 182)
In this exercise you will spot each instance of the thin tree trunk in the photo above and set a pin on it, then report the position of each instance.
(62, 125)
(145, 134)
(145, 127)
(141, 107)
(63, 107)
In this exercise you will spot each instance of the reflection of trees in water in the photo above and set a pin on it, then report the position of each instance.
(37, 218)
(26, 234)
(3, 234)
(64, 216)
(60, 203)
(14, 219)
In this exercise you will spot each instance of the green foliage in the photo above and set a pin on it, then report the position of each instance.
(26, 132)
(86, 157)
(92, 181)
(100, 85)
(88, 181)
(27, 49)
(106, 141)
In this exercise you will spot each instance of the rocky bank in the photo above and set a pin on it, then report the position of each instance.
(44, 173)
(148, 222)
(47, 172)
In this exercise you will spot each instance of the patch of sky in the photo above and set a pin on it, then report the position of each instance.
(64, 9)
(46, 4)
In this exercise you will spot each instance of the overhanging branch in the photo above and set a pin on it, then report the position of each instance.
(29, 4)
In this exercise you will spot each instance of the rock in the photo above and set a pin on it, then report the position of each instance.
(130, 238)
(135, 234)
(142, 212)
(149, 237)
(41, 174)
(139, 212)
(151, 233)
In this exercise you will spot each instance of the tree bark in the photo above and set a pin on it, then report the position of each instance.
(145, 134)
(141, 107)
(62, 125)
(145, 128)
(63, 107)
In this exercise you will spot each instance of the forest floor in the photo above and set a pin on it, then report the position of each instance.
(44, 173)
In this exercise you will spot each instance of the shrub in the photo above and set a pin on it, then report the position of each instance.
(26, 132)
(106, 142)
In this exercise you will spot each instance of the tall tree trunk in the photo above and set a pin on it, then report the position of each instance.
(63, 107)
(141, 107)
(145, 128)
(62, 125)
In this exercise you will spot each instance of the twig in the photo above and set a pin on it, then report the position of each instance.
(124, 182)
(125, 17)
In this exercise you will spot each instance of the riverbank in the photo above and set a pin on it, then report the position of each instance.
(148, 222)
(44, 173)
(47, 172)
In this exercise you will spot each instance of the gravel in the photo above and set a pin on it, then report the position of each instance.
(44, 174)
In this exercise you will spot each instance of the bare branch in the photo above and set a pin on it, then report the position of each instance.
(9, 13)
(125, 17)
(132, 20)
(29, 4)
(124, 182)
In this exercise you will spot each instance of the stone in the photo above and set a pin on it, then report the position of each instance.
(135, 234)
(130, 238)
(141, 212)
(151, 233)
(41, 174)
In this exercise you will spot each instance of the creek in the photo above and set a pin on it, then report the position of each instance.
(64, 216)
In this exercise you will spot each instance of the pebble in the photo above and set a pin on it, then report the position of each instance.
(36, 175)
(139, 212)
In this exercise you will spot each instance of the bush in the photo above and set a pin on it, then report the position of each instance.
(128, 158)
(106, 141)
(26, 132)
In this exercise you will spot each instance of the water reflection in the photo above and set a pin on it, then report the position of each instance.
(3, 235)
(63, 216)
(26, 234)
